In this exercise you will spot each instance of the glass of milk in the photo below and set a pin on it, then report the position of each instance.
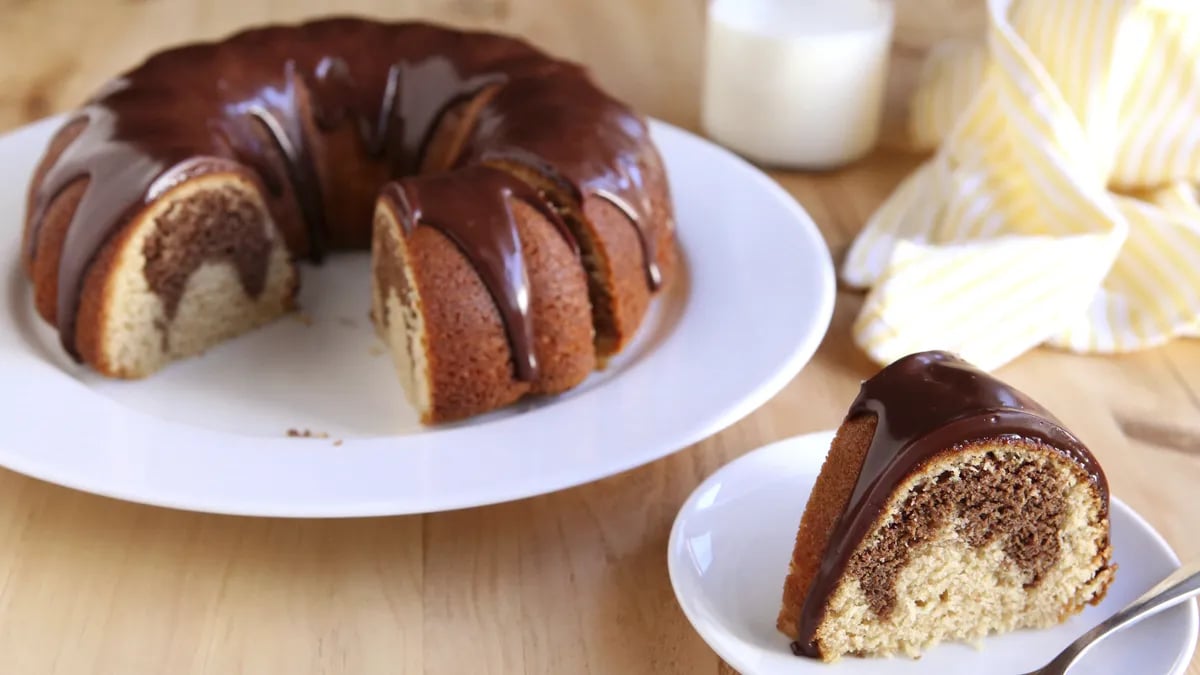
(796, 83)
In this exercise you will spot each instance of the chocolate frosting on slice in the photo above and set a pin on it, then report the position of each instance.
(473, 208)
(261, 99)
(925, 404)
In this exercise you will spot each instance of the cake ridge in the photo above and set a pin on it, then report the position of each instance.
(926, 404)
(614, 174)
(108, 207)
(491, 244)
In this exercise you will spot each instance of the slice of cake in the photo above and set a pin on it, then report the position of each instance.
(950, 506)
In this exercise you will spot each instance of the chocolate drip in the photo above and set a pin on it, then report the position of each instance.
(426, 89)
(925, 404)
(473, 208)
(585, 140)
(262, 98)
(279, 111)
(653, 274)
(98, 156)
(397, 127)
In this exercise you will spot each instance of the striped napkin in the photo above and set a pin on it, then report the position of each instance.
(1061, 205)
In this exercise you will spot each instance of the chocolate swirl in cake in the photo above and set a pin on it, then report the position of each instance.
(924, 404)
(259, 98)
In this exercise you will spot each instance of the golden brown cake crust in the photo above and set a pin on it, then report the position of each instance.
(470, 363)
(469, 356)
(826, 502)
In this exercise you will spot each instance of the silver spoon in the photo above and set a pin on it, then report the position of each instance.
(1182, 584)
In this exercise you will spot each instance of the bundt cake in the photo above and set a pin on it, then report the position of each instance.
(950, 506)
(518, 216)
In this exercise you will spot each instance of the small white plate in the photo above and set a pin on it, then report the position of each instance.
(208, 434)
(729, 552)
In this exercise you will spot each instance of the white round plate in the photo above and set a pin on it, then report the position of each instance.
(210, 434)
(729, 553)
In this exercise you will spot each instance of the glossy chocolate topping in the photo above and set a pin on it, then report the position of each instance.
(925, 404)
(597, 155)
(477, 215)
(263, 99)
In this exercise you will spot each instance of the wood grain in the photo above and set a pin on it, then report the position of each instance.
(573, 582)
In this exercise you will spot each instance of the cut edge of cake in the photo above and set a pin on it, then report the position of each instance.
(128, 329)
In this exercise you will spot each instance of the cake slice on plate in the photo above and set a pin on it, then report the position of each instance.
(950, 506)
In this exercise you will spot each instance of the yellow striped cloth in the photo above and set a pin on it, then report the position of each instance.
(1061, 204)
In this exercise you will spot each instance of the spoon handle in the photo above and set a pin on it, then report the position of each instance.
(1182, 584)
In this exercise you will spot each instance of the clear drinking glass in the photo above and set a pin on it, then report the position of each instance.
(796, 83)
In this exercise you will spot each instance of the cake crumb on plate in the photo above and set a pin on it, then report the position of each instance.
(306, 433)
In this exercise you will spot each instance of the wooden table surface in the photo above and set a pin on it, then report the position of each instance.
(573, 582)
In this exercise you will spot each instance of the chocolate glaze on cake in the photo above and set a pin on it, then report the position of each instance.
(925, 404)
(479, 220)
(263, 94)
(578, 149)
